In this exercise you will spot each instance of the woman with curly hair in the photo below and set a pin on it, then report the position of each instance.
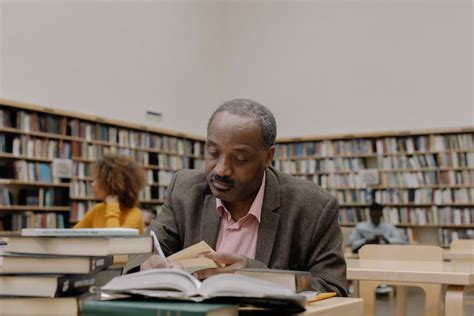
(117, 183)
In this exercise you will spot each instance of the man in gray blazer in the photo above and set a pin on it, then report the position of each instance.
(253, 215)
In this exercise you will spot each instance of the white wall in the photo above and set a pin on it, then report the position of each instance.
(323, 67)
(114, 58)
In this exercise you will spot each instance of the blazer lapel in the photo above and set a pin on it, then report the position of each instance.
(269, 219)
(210, 221)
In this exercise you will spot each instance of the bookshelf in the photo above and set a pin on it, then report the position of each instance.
(425, 179)
(37, 145)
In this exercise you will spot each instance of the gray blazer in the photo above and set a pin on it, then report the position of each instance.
(298, 227)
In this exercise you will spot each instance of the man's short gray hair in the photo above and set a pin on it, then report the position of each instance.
(251, 109)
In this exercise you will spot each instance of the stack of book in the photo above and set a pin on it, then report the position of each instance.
(51, 271)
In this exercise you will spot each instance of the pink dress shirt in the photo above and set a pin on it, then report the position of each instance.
(240, 237)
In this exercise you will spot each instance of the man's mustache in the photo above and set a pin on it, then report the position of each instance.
(225, 180)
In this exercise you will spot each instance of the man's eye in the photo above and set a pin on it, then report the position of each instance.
(213, 153)
(241, 159)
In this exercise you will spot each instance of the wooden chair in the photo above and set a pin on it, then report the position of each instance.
(346, 235)
(463, 247)
(401, 252)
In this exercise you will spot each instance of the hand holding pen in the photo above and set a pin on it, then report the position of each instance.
(158, 249)
(158, 261)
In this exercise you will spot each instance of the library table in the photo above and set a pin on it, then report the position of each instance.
(458, 276)
(448, 255)
(335, 306)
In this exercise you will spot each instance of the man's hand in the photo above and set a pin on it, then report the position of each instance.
(157, 262)
(232, 263)
(111, 199)
(383, 238)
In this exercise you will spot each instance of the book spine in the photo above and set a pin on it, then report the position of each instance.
(100, 263)
(71, 285)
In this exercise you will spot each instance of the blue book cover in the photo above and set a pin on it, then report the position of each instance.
(44, 173)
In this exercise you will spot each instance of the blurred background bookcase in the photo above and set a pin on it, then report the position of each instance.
(46, 158)
(425, 179)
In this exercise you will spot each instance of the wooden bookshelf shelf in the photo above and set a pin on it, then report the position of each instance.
(419, 226)
(394, 187)
(82, 178)
(33, 208)
(8, 233)
(30, 135)
(84, 198)
(21, 157)
(39, 134)
(367, 155)
(31, 183)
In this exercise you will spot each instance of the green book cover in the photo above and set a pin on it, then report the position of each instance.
(157, 308)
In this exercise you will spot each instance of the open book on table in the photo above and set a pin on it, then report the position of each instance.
(181, 285)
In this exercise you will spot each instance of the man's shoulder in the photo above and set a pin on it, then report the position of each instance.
(301, 189)
(190, 176)
(190, 179)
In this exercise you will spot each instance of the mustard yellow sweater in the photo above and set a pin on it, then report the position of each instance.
(105, 215)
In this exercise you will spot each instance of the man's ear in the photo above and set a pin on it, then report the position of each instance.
(270, 152)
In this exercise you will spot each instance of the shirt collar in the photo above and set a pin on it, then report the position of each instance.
(255, 208)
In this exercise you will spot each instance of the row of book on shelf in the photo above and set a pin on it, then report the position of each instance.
(444, 235)
(386, 164)
(51, 149)
(397, 179)
(39, 122)
(439, 160)
(45, 172)
(406, 196)
(411, 216)
(379, 145)
(14, 222)
(33, 197)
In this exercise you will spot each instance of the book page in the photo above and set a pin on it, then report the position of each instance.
(240, 285)
(191, 252)
(155, 279)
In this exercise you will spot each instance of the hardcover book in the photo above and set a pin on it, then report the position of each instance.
(49, 285)
(30, 263)
(80, 246)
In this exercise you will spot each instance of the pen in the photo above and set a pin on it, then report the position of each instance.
(158, 247)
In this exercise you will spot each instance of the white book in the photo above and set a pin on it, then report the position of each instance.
(68, 232)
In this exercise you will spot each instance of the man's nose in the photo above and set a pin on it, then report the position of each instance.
(223, 167)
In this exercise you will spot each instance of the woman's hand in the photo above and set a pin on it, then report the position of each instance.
(111, 199)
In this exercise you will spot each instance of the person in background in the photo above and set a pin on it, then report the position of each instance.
(117, 183)
(373, 231)
(252, 215)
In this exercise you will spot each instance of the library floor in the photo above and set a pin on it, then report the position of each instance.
(386, 303)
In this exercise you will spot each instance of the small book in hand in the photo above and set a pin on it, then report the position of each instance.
(190, 260)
